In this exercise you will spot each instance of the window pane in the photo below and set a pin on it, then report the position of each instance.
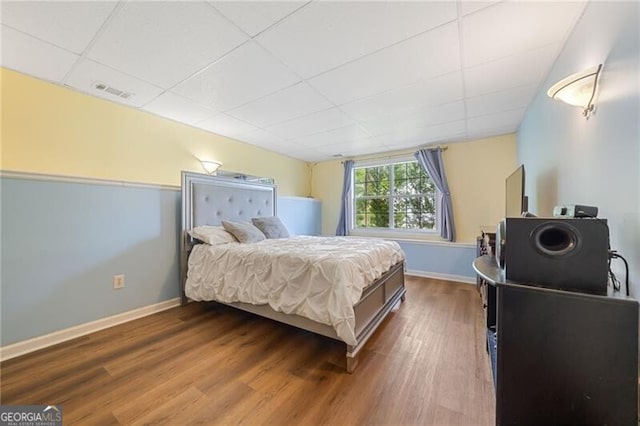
(359, 175)
(359, 187)
(400, 186)
(400, 212)
(415, 176)
(414, 170)
(361, 213)
(414, 212)
(377, 181)
(372, 189)
(372, 213)
(400, 171)
(379, 212)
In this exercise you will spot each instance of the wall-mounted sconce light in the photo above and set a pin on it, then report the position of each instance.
(578, 89)
(211, 166)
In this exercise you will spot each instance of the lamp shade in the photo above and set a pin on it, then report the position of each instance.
(578, 89)
(211, 166)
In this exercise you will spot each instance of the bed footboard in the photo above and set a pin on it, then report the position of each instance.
(374, 306)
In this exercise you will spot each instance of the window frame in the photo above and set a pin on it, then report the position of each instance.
(401, 232)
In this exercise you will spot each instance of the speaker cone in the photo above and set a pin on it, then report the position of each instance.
(555, 239)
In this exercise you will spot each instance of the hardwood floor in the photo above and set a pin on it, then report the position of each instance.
(209, 364)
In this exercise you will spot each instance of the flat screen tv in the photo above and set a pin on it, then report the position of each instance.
(516, 201)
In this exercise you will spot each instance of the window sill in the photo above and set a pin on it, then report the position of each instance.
(397, 235)
(431, 238)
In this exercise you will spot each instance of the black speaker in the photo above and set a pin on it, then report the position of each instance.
(566, 254)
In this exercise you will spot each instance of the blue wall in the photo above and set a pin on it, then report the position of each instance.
(301, 216)
(572, 160)
(62, 243)
(440, 260)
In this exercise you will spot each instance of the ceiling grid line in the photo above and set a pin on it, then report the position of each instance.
(462, 67)
(95, 37)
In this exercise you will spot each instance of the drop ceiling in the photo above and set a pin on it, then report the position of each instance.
(310, 80)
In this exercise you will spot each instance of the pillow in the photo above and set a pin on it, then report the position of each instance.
(244, 231)
(213, 235)
(271, 227)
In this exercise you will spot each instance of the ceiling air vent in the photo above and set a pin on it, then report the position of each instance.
(112, 91)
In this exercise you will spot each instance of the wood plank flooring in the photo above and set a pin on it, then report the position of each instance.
(210, 364)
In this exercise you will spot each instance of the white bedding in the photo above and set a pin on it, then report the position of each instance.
(315, 277)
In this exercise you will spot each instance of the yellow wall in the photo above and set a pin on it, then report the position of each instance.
(326, 185)
(476, 172)
(50, 129)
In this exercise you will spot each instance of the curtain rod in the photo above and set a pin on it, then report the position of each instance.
(381, 156)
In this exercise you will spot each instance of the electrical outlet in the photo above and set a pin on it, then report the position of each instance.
(118, 281)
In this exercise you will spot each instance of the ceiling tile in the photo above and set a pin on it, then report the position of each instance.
(421, 118)
(501, 101)
(506, 121)
(333, 137)
(292, 102)
(28, 55)
(254, 17)
(313, 123)
(222, 124)
(428, 55)
(246, 74)
(308, 155)
(165, 42)
(364, 150)
(326, 34)
(380, 144)
(178, 108)
(381, 140)
(264, 139)
(467, 7)
(68, 24)
(419, 136)
(513, 71)
(352, 147)
(405, 100)
(87, 73)
(528, 24)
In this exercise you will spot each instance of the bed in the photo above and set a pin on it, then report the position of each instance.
(208, 200)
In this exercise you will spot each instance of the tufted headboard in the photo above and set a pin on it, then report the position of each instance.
(208, 200)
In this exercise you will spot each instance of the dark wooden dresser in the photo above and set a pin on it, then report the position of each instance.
(561, 357)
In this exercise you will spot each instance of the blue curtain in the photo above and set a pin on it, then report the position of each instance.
(343, 220)
(431, 162)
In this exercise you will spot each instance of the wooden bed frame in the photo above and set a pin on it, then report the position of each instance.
(207, 200)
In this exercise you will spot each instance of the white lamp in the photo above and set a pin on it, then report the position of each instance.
(578, 89)
(211, 166)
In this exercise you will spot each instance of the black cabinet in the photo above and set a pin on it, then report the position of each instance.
(562, 357)
(485, 246)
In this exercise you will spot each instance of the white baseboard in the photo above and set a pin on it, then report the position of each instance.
(20, 348)
(446, 277)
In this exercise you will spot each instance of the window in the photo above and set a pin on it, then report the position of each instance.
(396, 195)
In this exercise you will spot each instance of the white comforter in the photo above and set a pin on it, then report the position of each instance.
(315, 277)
